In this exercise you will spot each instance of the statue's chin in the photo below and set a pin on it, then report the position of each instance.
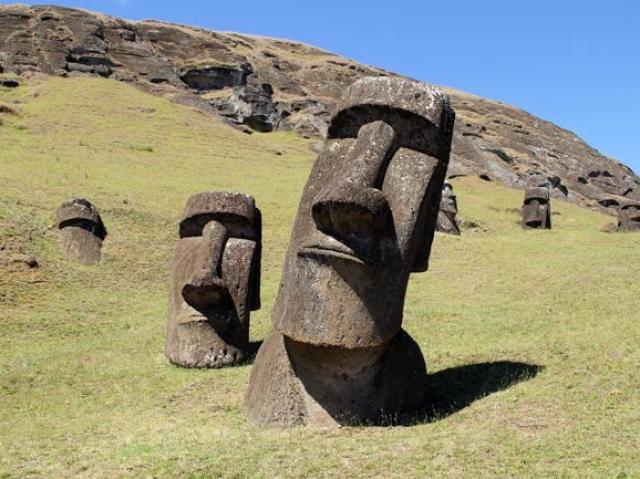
(324, 316)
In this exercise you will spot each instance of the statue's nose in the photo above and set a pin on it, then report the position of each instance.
(354, 211)
(206, 289)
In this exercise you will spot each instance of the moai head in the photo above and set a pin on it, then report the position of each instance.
(536, 212)
(81, 231)
(366, 221)
(447, 222)
(215, 280)
(367, 216)
(629, 216)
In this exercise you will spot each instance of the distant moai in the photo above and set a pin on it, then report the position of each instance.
(536, 212)
(81, 231)
(629, 216)
(447, 222)
(215, 281)
(366, 221)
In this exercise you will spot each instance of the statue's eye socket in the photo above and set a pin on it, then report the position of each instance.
(237, 226)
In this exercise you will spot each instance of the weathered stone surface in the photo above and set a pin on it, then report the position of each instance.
(222, 73)
(366, 220)
(447, 222)
(81, 231)
(536, 212)
(629, 216)
(215, 281)
(215, 77)
(250, 105)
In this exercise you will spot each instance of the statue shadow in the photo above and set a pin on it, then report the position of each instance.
(451, 390)
(252, 351)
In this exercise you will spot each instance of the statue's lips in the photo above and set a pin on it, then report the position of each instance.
(217, 317)
(191, 317)
(339, 251)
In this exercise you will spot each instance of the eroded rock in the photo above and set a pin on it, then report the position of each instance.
(629, 216)
(251, 105)
(215, 281)
(338, 354)
(216, 77)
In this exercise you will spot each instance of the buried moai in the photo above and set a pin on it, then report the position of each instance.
(629, 216)
(536, 211)
(81, 231)
(447, 222)
(215, 281)
(366, 221)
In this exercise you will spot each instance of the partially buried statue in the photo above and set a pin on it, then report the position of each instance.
(629, 216)
(215, 282)
(366, 220)
(81, 231)
(536, 212)
(447, 222)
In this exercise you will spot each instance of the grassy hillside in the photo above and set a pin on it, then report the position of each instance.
(537, 333)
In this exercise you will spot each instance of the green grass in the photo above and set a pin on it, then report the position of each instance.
(85, 389)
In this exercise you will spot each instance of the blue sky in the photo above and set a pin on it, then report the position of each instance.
(573, 62)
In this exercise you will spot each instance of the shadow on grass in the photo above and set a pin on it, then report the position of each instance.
(453, 389)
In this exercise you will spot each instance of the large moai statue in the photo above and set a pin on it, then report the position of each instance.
(81, 231)
(366, 221)
(629, 216)
(536, 212)
(447, 222)
(215, 281)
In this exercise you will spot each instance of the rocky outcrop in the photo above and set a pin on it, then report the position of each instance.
(269, 84)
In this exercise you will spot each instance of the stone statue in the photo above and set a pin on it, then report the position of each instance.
(629, 216)
(536, 212)
(447, 222)
(366, 220)
(215, 281)
(81, 231)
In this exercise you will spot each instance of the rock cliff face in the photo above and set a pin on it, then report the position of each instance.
(268, 84)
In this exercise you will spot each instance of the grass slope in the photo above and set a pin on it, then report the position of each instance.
(84, 386)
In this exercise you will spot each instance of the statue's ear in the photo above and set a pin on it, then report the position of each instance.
(426, 224)
(254, 278)
(428, 216)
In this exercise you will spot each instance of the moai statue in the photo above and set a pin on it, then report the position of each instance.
(447, 222)
(536, 212)
(215, 281)
(81, 231)
(366, 220)
(629, 216)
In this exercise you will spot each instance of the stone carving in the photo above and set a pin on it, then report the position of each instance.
(215, 281)
(629, 216)
(366, 220)
(536, 212)
(81, 231)
(447, 222)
